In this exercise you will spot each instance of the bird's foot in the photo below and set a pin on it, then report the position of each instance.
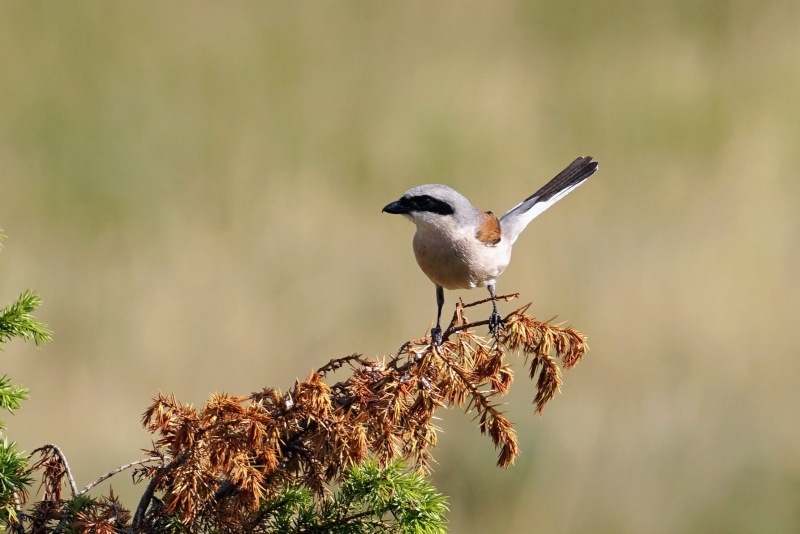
(495, 322)
(436, 336)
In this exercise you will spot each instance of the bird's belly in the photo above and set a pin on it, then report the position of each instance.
(460, 264)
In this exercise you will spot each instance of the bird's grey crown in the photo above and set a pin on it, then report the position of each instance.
(463, 209)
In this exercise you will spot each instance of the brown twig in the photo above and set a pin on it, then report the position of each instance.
(458, 314)
(337, 363)
(506, 298)
(147, 496)
(453, 329)
(114, 472)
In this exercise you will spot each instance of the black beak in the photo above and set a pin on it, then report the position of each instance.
(398, 207)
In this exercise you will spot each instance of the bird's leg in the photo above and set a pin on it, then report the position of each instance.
(495, 320)
(436, 333)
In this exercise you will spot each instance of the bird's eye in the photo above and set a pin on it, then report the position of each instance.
(428, 203)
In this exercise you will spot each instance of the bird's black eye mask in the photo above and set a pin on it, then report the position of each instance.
(420, 203)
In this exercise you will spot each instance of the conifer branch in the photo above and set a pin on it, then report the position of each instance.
(113, 472)
(15, 473)
(504, 298)
(147, 496)
(53, 458)
(10, 396)
(16, 320)
(454, 329)
(267, 462)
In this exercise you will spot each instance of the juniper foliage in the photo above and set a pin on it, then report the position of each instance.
(16, 321)
(370, 500)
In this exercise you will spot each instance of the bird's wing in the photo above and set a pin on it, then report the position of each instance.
(518, 217)
(489, 231)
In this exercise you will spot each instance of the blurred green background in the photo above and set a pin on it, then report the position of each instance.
(195, 190)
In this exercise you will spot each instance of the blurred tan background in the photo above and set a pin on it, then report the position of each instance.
(186, 183)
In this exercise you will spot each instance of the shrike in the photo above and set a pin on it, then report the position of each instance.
(460, 247)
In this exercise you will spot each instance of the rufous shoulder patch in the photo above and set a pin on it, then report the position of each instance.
(489, 230)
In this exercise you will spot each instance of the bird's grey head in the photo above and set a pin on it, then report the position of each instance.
(434, 205)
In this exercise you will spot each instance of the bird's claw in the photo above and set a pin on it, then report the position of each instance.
(436, 336)
(495, 322)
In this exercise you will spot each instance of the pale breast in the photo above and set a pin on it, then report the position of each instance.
(462, 262)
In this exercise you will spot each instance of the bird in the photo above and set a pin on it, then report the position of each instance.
(459, 246)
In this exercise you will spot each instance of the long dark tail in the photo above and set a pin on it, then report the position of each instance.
(518, 217)
(575, 173)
